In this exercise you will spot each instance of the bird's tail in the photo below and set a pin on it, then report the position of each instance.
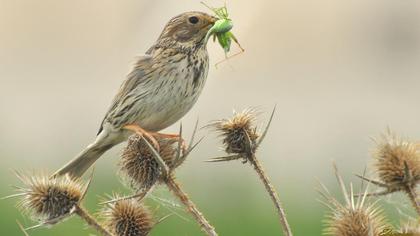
(85, 159)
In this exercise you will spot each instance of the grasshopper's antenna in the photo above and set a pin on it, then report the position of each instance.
(209, 7)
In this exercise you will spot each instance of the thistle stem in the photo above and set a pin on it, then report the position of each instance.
(412, 194)
(84, 214)
(273, 194)
(174, 186)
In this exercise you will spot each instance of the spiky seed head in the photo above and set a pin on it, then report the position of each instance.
(351, 222)
(354, 217)
(410, 228)
(128, 218)
(138, 165)
(50, 200)
(393, 158)
(239, 133)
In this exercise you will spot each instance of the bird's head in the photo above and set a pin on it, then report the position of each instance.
(188, 29)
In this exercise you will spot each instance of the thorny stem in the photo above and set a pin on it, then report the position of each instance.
(84, 214)
(412, 194)
(273, 194)
(406, 187)
(174, 186)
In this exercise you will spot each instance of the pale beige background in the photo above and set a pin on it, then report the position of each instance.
(339, 71)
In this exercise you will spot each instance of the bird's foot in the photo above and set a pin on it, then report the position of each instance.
(143, 133)
(184, 145)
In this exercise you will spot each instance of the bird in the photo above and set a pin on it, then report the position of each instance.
(161, 88)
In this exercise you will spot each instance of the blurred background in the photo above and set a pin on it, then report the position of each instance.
(339, 71)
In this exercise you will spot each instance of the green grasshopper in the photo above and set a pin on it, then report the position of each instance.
(221, 31)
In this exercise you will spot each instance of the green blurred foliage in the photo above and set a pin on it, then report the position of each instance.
(249, 214)
(234, 210)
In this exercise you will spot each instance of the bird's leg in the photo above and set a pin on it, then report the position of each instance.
(184, 145)
(143, 133)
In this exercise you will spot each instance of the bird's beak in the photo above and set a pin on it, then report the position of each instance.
(212, 20)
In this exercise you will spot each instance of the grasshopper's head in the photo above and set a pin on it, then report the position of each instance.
(221, 26)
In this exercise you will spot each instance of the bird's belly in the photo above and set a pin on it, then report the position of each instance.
(166, 112)
(166, 98)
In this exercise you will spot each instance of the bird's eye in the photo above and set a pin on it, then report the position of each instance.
(193, 20)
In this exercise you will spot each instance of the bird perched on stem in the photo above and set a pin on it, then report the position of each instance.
(162, 87)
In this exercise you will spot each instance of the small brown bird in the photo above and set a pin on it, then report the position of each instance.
(162, 87)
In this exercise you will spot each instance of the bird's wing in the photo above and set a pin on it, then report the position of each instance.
(136, 76)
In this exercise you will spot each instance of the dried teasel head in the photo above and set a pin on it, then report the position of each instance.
(50, 200)
(354, 216)
(239, 133)
(397, 162)
(138, 164)
(411, 228)
(128, 218)
(240, 136)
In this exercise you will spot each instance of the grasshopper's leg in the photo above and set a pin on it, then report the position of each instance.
(237, 42)
(234, 55)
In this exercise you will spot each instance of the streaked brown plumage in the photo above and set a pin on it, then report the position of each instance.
(162, 87)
